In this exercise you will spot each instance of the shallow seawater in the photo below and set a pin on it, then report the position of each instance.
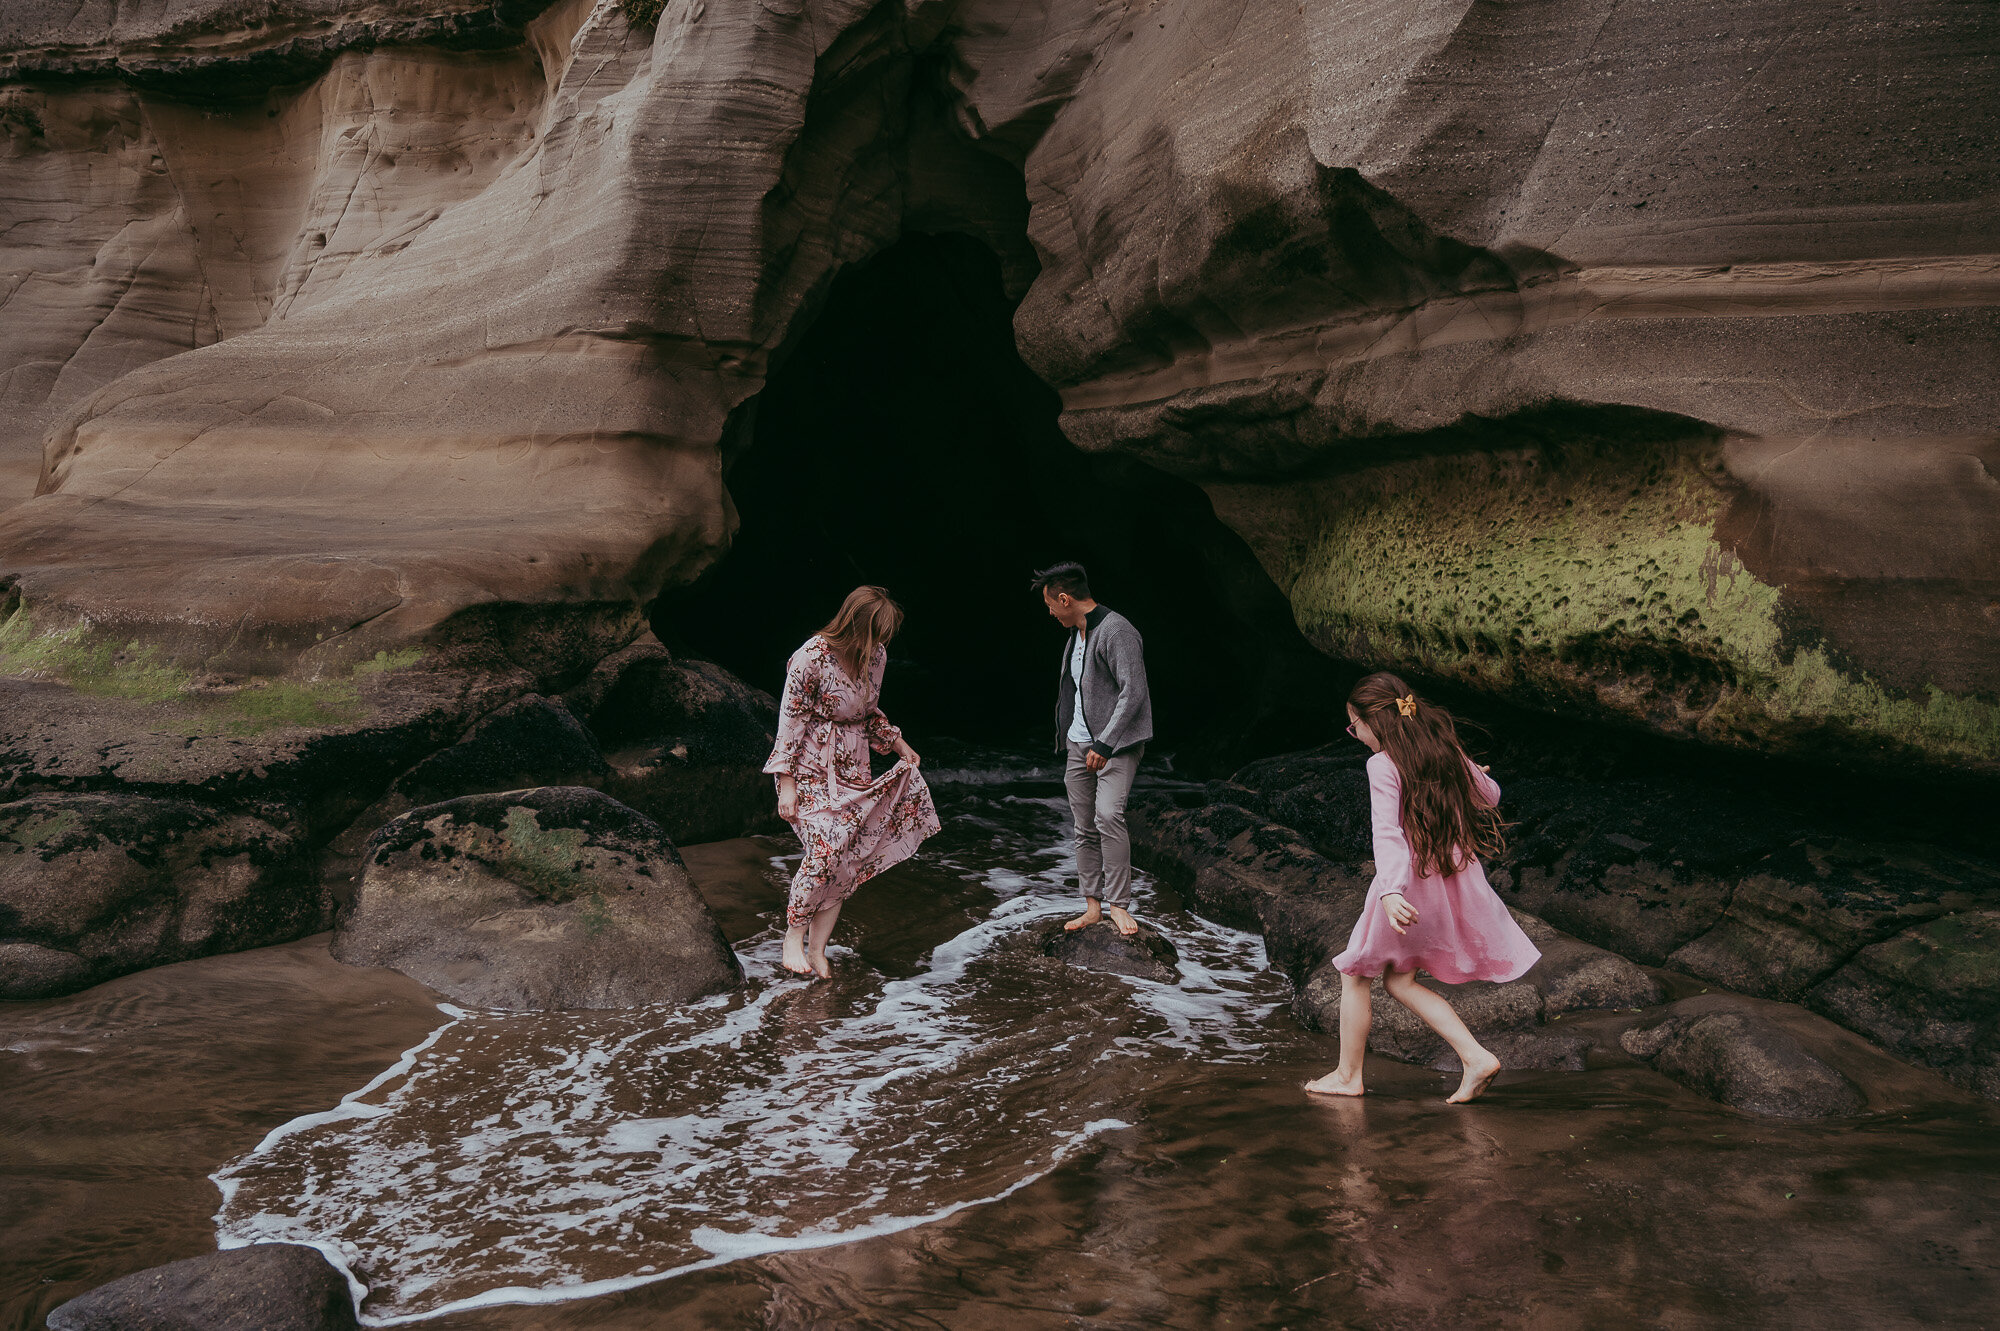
(954, 1131)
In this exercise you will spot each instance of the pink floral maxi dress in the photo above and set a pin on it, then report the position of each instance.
(1463, 930)
(852, 828)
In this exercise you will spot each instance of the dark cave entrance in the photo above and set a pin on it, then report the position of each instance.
(902, 441)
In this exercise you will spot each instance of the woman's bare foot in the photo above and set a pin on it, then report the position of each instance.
(1478, 1076)
(822, 967)
(1123, 921)
(795, 953)
(1333, 1083)
(1089, 917)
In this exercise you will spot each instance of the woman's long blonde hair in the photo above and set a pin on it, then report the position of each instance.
(868, 618)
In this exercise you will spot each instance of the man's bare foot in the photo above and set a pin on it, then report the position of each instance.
(1122, 919)
(1478, 1076)
(795, 956)
(1335, 1084)
(1089, 917)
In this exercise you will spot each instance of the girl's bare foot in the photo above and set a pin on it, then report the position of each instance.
(1478, 1076)
(1088, 918)
(1122, 920)
(1334, 1083)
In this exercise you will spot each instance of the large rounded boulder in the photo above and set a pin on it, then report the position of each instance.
(93, 886)
(557, 897)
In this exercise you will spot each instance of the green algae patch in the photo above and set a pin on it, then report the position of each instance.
(93, 663)
(88, 662)
(552, 861)
(1590, 577)
(383, 662)
(284, 702)
(36, 830)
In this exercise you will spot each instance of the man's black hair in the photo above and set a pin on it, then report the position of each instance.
(1064, 579)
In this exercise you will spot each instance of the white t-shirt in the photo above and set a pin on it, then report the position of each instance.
(1079, 733)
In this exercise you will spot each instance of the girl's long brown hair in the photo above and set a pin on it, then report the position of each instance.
(867, 620)
(1444, 817)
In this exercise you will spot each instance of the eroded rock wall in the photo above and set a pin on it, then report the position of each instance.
(1373, 273)
(1634, 361)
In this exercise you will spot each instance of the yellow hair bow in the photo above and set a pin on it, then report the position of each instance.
(1407, 704)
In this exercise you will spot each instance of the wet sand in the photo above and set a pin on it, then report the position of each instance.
(1605, 1198)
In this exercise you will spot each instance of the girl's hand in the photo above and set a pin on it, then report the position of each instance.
(788, 798)
(1401, 913)
(908, 754)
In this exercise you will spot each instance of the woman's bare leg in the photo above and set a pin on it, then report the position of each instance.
(822, 929)
(1481, 1067)
(1356, 1015)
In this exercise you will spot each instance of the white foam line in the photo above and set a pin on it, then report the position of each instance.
(742, 1246)
(350, 1106)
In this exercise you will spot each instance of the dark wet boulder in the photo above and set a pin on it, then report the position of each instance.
(558, 897)
(264, 1287)
(1804, 910)
(1100, 947)
(1573, 976)
(1323, 793)
(93, 886)
(531, 741)
(686, 739)
(1238, 868)
(1728, 1050)
(1930, 994)
(1639, 867)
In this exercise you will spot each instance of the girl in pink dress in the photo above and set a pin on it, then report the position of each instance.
(852, 828)
(1434, 812)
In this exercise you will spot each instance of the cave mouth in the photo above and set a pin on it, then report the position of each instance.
(902, 441)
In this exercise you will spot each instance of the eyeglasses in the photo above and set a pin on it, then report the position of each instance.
(1351, 732)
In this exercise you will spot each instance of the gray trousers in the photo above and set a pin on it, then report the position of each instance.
(1097, 806)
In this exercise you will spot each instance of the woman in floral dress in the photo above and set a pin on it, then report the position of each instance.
(852, 828)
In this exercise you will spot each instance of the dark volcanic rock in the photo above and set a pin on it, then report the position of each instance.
(1931, 995)
(1322, 792)
(1100, 947)
(1804, 910)
(688, 741)
(93, 886)
(1640, 868)
(1235, 867)
(1727, 1050)
(264, 1287)
(1573, 976)
(532, 741)
(552, 898)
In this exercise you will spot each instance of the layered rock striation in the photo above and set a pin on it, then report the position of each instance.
(1635, 362)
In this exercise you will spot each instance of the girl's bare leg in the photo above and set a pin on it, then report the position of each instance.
(822, 929)
(1356, 1015)
(1481, 1067)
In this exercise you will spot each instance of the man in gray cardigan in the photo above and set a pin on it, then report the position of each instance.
(1104, 716)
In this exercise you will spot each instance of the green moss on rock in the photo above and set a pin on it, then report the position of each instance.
(1591, 577)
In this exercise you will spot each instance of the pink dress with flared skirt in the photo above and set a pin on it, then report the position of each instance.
(1463, 930)
(852, 828)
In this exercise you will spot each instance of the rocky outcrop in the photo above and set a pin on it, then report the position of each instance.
(1891, 939)
(1638, 370)
(263, 1287)
(552, 898)
(93, 886)
(1232, 865)
(1930, 994)
(687, 741)
(1148, 954)
(1734, 1054)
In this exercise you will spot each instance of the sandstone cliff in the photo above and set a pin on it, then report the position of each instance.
(1632, 360)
